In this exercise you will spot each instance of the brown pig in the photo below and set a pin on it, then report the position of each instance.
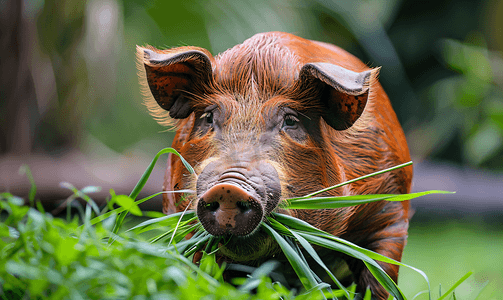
(277, 117)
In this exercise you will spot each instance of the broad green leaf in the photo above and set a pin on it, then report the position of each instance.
(128, 204)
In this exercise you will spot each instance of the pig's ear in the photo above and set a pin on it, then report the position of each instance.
(171, 75)
(344, 93)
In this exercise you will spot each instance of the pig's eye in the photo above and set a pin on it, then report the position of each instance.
(290, 121)
(208, 117)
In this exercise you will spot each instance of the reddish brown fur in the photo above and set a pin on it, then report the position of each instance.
(262, 74)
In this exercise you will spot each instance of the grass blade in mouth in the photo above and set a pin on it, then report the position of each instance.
(304, 233)
(201, 241)
(345, 201)
(176, 235)
(301, 269)
(169, 220)
(359, 178)
(371, 264)
(183, 245)
(307, 246)
(302, 226)
(323, 239)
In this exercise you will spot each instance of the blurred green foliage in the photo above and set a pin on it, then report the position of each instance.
(441, 65)
(466, 106)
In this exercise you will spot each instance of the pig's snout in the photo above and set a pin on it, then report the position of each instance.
(234, 199)
(228, 209)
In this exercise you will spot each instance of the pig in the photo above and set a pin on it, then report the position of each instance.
(276, 117)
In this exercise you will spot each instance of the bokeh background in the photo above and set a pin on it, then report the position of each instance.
(71, 109)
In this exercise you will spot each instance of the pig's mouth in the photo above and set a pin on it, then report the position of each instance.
(249, 248)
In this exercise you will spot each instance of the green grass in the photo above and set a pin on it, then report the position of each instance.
(52, 258)
(446, 251)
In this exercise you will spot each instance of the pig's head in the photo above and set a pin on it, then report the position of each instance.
(256, 122)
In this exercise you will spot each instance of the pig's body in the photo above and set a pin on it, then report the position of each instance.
(278, 117)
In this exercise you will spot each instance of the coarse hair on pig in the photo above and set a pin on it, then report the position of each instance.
(349, 129)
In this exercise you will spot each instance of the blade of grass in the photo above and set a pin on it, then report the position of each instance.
(384, 279)
(295, 246)
(211, 244)
(253, 280)
(359, 178)
(160, 226)
(80, 194)
(298, 265)
(197, 246)
(181, 246)
(305, 244)
(24, 169)
(321, 238)
(318, 287)
(352, 200)
(308, 228)
(419, 294)
(460, 281)
(381, 276)
(186, 229)
(141, 183)
(166, 220)
(331, 202)
(368, 294)
(121, 209)
(177, 224)
(196, 269)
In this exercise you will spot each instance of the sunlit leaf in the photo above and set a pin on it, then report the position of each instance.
(128, 204)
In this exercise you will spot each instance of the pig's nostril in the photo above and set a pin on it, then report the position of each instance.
(213, 206)
(243, 206)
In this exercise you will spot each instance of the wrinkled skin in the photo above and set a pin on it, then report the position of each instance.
(273, 118)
